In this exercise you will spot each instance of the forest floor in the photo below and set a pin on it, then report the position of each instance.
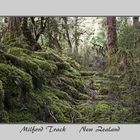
(44, 87)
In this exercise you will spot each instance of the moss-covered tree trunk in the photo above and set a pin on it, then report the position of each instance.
(14, 29)
(66, 26)
(53, 34)
(111, 35)
(28, 35)
(14, 24)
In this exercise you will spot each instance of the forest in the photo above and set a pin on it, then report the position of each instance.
(70, 69)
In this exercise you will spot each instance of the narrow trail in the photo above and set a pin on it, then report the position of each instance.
(95, 94)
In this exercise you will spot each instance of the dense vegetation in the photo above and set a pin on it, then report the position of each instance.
(59, 70)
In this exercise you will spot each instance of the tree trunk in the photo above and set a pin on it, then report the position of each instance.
(28, 35)
(14, 24)
(67, 31)
(111, 34)
(136, 22)
(52, 36)
(76, 36)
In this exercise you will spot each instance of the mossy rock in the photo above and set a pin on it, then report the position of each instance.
(39, 70)
(53, 106)
(50, 56)
(16, 83)
(60, 94)
(77, 83)
(58, 83)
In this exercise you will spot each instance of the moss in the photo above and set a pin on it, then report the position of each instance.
(48, 68)
(21, 117)
(16, 83)
(102, 107)
(71, 74)
(73, 63)
(50, 56)
(53, 106)
(63, 66)
(96, 86)
(64, 112)
(77, 83)
(1, 97)
(4, 117)
(87, 73)
(60, 94)
(103, 91)
(114, 90)
(74, 71)
(14, 40)
(74, 93)
(39, 70)
(18, 51)
(127, 100)
(87, 112)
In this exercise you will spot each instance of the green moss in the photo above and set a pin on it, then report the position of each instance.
(48, 69)
(15, 40)
(73, 63)
(16, 83)
(4, 117)
(77, 83)
(1, 97)
(71, 74)
(21, 117)
(87, 112)
(74, 93)
(103, 91)
(50, 56)
(39, 70)
(87, 73)
(53, 106)
(102, 107)
(58, 115)
(61, 94)
(63, 66)
(96, 86)
(19, 51)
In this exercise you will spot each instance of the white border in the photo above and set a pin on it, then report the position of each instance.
(127, 132)
(69, 7)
